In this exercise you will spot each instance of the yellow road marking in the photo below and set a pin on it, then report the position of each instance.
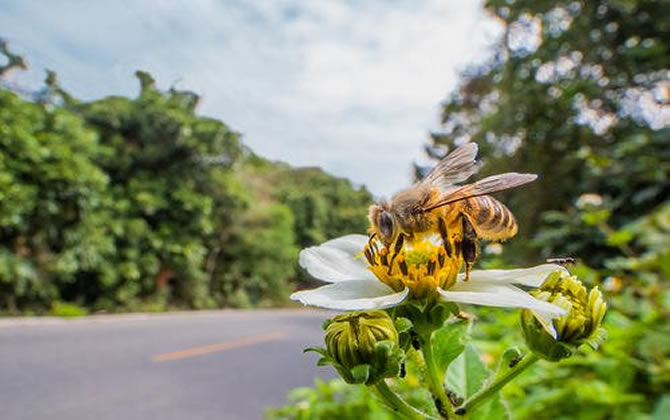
(215, 348)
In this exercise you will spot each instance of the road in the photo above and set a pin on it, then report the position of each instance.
(211, 365)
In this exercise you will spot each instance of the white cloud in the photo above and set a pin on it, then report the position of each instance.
(352, 88)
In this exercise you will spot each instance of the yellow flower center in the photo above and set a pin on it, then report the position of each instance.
(422, 266)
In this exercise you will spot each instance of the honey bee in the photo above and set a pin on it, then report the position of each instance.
(460, 214)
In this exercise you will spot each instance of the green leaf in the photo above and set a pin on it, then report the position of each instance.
(662, 408)
(323, 352)
(508, 361)
(466, 375)
(403, 324)
(438, 314)
(620, 237)
(596, 339)
(324, 360)
(495, 408)
(326, 323)
(594, 218)
(447, 344)
(388, 359)
(404, 328)
(360, 374)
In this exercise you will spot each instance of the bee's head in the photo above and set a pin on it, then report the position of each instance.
(383, 223)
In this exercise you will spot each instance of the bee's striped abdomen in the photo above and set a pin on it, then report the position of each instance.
(490, 218)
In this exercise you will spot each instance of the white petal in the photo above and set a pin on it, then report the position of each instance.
(352, 295)
(533, 276)
(352, 244)
(337, 260)
(495, 294)
(545, 320)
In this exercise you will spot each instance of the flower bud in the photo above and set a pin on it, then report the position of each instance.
(560, 338)
(351, 338)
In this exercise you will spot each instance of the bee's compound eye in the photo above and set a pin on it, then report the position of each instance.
(386, 224)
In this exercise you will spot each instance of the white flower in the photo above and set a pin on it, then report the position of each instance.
(353, 286)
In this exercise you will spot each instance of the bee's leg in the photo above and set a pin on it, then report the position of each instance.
(398, 247)
(469, 246)
(370, 251)
(368, 256)
(469, 255)
(442, 227)
(371, 238)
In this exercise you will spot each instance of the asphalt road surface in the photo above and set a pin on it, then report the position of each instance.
(212, 365)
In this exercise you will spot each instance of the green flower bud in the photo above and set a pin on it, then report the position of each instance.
(363, 346)
(581, 325)
(351, 338)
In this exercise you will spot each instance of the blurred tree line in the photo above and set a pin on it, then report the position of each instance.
(578, 92)
(141, 204)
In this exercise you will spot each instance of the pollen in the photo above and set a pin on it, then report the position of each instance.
(422, 266)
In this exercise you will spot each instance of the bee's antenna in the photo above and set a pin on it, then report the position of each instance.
(371, 244)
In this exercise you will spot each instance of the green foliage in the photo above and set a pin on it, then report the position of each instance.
(324, 207)
(67, 310)
(52, 191)
(332, 400)
(662, 408)
(449, 344)
(260, 253)
(338, 400)
(628, 377)
(141, 204)
(159, 156)
(467, 375)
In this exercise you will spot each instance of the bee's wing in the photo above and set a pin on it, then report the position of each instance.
(456, 167)
(484, 186)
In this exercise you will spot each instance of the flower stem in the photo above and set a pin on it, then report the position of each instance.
(435, 383)
(482, 395)
(398, 404)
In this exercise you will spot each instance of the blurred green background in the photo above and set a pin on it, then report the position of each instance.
(140, 204)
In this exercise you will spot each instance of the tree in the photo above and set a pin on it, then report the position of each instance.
(52, 196)
(141, 204)
(577, 92)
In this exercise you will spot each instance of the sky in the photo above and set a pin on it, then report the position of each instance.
(352, 87)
